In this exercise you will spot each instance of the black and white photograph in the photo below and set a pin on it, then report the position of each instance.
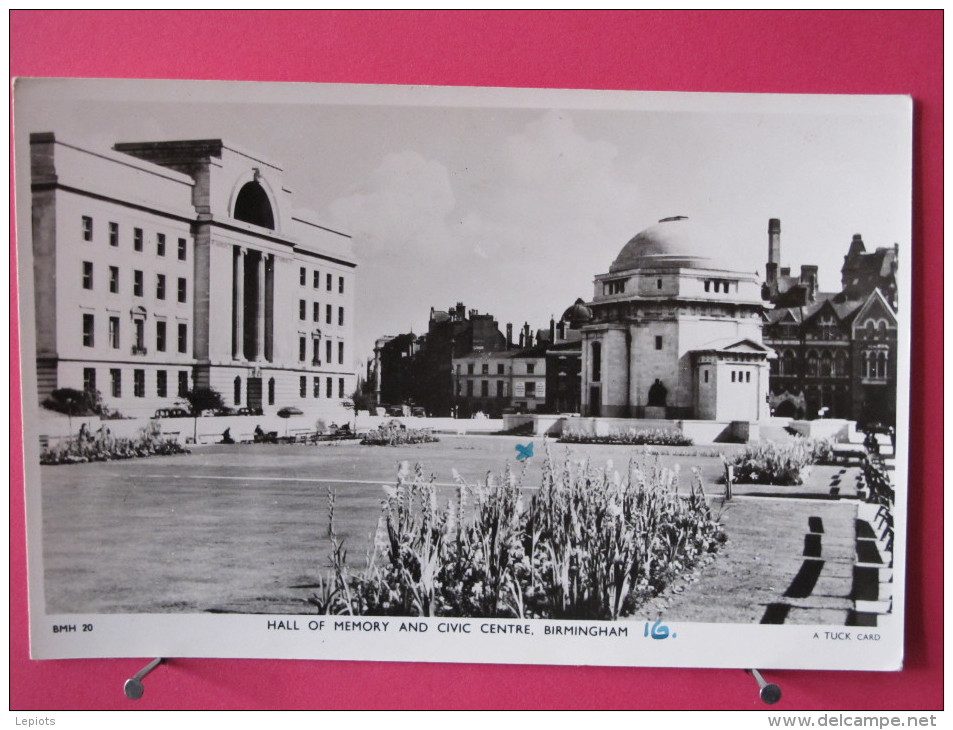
(464, 374)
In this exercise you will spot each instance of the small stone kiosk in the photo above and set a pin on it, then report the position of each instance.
(675, 332)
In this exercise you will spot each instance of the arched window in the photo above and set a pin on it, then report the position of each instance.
(238, 390)
(788, 363)
(271, 391)
(840, 363)
(812, 363)
(596, 362)
(827, 364)
(252, 206)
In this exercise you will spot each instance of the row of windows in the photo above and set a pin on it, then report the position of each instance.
(316, 387)
(316, 280)
(715, 284)
(316, 312)
(138, 283)
(530, 389)
(316, 351)
(739, 376)
(817, 364)
(875, 365)
(138, 382)
(139, 338)
(138, 239)
(500, 368)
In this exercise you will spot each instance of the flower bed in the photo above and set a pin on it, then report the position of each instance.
(784, 464)
(397, 435)
(588, 544)
(630, 437)
(101, 445)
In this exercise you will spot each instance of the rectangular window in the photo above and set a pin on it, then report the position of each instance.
(183, 288)
(658, 342)
(327, 352)
(113, 234)
(340, 316)
(316, 353)
(340, 387)
(89, 380)
(748, 377)
(303, 386)
(302, 276)
(531, 390)
(658, 284)
(162, 385)
(733, 376)
(484, 388)
(182, 249)
(316, 387)
(302, 348)
(316, 283)
(271, 391)
(330, 388)
(469, 388)
(469, 368)
(137, 239)
(115, 382)
(500, 369)
(485, 369)
(137, 283)
(87, 274)
(530, 368)
(302, 309)
(706, 375)
(499, 388)
(113, 279)
(139, 383)
(183, 382)
(140, 346)
(327, 313)
(329, 282)
(160, 336)
(160, 244)
(316, 312)
(160, 286)
(340, 285)
(88, 325)
(340, 353)
(114, 332)
(183, 337)
(87, 228)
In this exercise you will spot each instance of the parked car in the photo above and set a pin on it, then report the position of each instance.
(171, 413)
(249, 412)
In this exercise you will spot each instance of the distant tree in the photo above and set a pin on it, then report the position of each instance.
(363, 398)
(71, 402)
(202, 399)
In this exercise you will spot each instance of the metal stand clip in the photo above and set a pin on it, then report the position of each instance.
(133, 687)
(770, 693)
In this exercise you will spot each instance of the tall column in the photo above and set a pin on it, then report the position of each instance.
(270, 308)
(238, 304)
(260, 311)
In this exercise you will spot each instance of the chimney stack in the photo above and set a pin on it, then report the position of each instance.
(774, 250)
(552, 329)
(509, 334)
(809, 279)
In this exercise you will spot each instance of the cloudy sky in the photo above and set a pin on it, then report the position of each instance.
(512, 201)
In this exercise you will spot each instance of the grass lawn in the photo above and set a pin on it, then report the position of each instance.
(244, 528)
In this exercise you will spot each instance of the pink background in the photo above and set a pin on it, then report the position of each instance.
(844, 52)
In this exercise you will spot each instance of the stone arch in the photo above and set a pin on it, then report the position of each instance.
(252, 201)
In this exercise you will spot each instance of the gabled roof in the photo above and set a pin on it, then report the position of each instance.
(875, 300)
(733, 346)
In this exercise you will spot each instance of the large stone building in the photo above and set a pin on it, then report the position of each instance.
(675, 332)
(164, 266)
(837, 351)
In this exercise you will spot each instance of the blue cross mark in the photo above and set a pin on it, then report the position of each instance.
(524, 452)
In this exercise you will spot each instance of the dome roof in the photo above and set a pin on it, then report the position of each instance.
(578, 314)
(672, 243)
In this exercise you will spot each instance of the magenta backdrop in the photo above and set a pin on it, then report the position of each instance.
(843, 52)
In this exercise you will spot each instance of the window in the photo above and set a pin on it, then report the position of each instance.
(113, 279)
(183, 337)
(705, 373)
(500, 369)
(89, 380)
(658, 342)
(328, 279)
(531, 389)
(340, 285)
(485, 369)
(316, 282)
(707, 285)
(499, 388)
(302, 348)
(183, 382)
(327, 313)
(596, 362)
(484, 388)
(237, 386)
(302, 386)
(340, 316)
(137, 239)
(87, 274)
(88, 325)
(161, 383)
(316, 351)
(615, 287)
(182, 249)
(469, 388)
(137, 283)
(114, 332)
(302, 309)
(530, 368)
(183, 287)
(875, 365)
(340, 387)
(139, 348)
(748, 377)
(733, 376)
(330, 387)
(340, 353)
(271, 391)
(327, 352)
(160, 336)
(302, 276)
(139, 383)
(113, 234)
(316, 312)
(160, 244)
(160, 286)
(87, 228)
(469, 368)
(658, 284)
(316, 387)
(812, 364)
(115, 382)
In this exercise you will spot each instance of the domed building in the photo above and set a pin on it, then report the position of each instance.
(675, 332)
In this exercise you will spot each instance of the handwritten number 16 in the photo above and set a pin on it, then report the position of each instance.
(658, 631)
